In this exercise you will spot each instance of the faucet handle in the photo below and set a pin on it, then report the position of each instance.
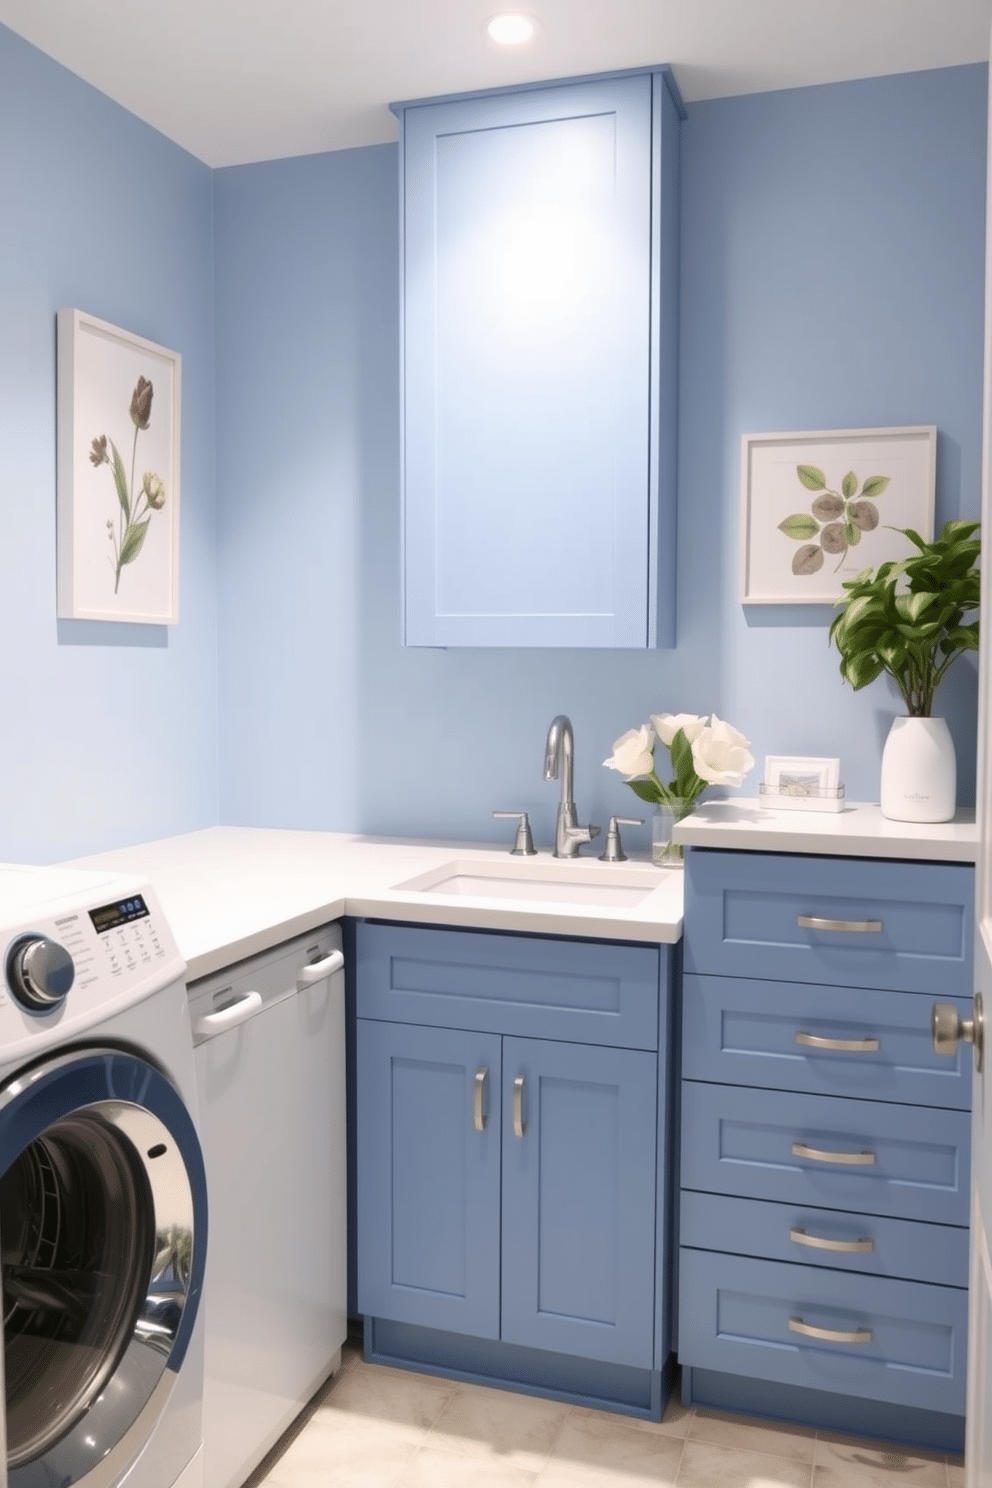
(613, 851)
(523, 846)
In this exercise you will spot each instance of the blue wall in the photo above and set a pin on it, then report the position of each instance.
(832, 277)
(108, 732)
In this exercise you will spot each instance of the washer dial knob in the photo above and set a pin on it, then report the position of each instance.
(40, 973)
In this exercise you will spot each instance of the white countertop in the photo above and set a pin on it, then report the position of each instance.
(858, 830)
(229, 892)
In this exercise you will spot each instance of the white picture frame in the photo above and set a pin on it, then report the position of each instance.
(795, 545)
(117, 506)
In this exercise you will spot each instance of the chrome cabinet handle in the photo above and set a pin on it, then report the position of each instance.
(820, 1242)
(848, 1046)
(478, 1115)
(518, 1106)
(947, 1028)
(855, 927)
(830, 1335)
(817, 1154)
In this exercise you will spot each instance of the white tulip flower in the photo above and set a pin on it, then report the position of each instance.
(720, 754)
(667, 725)
(633, 752)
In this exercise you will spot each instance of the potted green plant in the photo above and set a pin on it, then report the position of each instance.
(913, 619)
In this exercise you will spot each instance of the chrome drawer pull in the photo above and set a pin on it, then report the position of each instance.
(518, 1106)
(847, 1046)
(830, 1335)
(478, 1115)
(817, 1154)
(855, 927)
(820, 1242)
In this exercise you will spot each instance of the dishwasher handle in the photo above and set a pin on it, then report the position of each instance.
(318, 970)
(236, 1012)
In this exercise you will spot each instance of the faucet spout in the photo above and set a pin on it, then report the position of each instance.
(559, 750)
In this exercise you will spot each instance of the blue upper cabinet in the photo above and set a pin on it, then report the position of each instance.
(540, 308)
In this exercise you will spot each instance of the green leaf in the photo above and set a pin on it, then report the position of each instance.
(120, 481)
(134, 541)
(645, 790)
(849, 484)
(812, 477)
(800, 526)
(860, 670)
(911, 606)
(875, 485)
(852, 534)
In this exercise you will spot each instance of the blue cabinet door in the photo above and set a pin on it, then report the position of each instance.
(428, 1178)
(578, 1261)
(539, 287)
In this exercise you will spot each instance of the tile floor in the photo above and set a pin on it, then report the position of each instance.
(373, 1427)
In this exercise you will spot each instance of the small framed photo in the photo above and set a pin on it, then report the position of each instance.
(818, 507)
(801, 775)
(118, 402)
(795, 782)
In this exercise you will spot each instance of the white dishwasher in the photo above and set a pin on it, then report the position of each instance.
(270, 1065)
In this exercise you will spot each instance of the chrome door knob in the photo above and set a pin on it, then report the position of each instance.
(949, 1029)
(39, 973)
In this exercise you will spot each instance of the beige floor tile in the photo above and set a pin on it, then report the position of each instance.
(674, 1422)
(519, 1429)
(338, 1453)
(744, 1433)
(955, 1473)
(437, 1467)
(373, 1392)
(598, 1447)
(848, 1463)
(708, 1465)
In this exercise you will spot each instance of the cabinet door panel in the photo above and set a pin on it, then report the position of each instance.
(527, 282)
(428, 1180)
(579, 1200)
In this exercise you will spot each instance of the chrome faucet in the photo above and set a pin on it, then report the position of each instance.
(558, 752)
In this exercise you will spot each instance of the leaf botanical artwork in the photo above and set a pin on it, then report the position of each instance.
(118, 474)
(136, 509)
(818, 507)
(836, 519)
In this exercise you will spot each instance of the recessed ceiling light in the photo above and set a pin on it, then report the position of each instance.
(510, 30)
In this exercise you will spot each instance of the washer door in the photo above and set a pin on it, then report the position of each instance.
(102, 1245)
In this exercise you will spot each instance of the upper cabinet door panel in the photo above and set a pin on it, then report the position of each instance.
(528, 296)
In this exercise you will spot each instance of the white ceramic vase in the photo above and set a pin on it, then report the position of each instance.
(919, 771)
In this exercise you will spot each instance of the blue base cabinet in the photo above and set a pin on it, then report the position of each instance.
(825, 1147)
(513, 1197)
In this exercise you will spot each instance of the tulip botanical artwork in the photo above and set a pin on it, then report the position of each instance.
(703, 751)
(118, 530)
(136, 510)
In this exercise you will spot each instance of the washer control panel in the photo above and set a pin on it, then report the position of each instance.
(83, 955)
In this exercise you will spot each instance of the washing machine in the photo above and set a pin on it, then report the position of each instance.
(103, 1217)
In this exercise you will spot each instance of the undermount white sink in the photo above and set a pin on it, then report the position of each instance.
(554, 883)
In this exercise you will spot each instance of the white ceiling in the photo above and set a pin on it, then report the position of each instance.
(240, 80)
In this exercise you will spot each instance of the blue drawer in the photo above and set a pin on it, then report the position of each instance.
(902, 1248)
(740, 1141)
(741, 1032)
(742, 913)
(590, 992)
(734, 1316)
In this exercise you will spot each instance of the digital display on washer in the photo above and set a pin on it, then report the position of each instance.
(112, 916)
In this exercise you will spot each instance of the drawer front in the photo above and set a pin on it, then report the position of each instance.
(911, 1346)
(742, 914)
(866, 1243)
(580, 991)
(739, 1141)
(825, 1040)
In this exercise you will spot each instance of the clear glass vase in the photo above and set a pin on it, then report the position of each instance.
(664, 852)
